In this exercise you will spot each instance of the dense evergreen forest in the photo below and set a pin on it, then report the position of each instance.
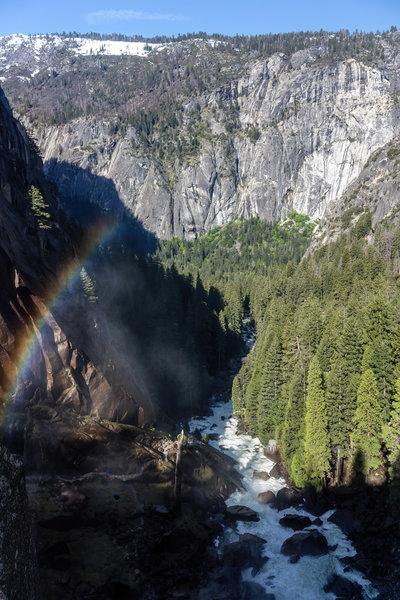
(226, 258)
(342, 43)
(323, 377)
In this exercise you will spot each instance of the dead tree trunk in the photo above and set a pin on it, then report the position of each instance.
(178, 473)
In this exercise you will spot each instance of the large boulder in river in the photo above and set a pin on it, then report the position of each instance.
(247, 552)
(250, 590)
(345, 520)
(295, 522)
(278, 471)
(239, 512)
(271, 451)
(305, 543)
(287, 497)
(266, 498)
(261, 475)
(252, 540)
(343, 588)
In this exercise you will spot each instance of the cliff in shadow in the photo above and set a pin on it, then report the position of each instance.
(37, 258)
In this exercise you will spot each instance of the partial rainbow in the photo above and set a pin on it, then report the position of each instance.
(70, 275)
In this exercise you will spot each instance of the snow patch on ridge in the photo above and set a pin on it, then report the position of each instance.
(113, 48)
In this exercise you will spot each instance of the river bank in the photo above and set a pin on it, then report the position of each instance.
(107, 526)
(283, 576)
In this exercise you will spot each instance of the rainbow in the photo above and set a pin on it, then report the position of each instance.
(27, 345)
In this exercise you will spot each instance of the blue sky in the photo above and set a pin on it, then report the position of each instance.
(153, 17)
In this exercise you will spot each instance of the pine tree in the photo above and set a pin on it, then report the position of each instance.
(296, 469)
(367, 359)
(391, 431)
(269, 412)
(39, 208)
(339, 408)
(316, 442)
(328, 347)
(293, 427)
(383, 367)
(350, 352)
(251, 400)
(237, 397)
(368, 422)
(351, 344)
(391, 436)
(88, 286)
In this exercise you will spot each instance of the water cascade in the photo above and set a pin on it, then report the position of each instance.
(306, 578)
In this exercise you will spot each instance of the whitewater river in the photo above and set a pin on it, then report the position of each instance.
(305, 579)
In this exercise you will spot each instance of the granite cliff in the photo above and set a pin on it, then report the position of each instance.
(67, 368)
(261, 137)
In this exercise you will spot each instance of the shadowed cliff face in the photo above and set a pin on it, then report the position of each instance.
(66, 369)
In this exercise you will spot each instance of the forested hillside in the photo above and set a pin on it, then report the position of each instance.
(323, 377)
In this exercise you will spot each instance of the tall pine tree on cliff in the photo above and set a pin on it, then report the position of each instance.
(368, 423)
(316, 443)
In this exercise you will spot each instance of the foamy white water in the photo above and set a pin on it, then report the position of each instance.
(305, 579)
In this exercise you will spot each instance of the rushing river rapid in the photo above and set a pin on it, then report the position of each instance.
(305, 579)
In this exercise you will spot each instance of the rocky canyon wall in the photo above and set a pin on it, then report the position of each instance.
(317, 125)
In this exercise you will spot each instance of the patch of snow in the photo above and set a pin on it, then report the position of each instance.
(38, 44)
(113, 48)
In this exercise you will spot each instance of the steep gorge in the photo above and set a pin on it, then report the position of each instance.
(75, 410)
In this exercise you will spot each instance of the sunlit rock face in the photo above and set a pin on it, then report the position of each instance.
(49, 356)
(318, 125)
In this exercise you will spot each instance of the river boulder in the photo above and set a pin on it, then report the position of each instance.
(266, 498)
(343, 588)
(254, 591)
(251, 539)
(305, 543)
(287, 497)
(247, 552)
(239, 512)
(345, 520)
(278, 471)
(295, 522)
(261, 475)
(271, 451)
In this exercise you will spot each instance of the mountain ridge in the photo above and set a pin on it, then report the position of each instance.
(195, 134)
